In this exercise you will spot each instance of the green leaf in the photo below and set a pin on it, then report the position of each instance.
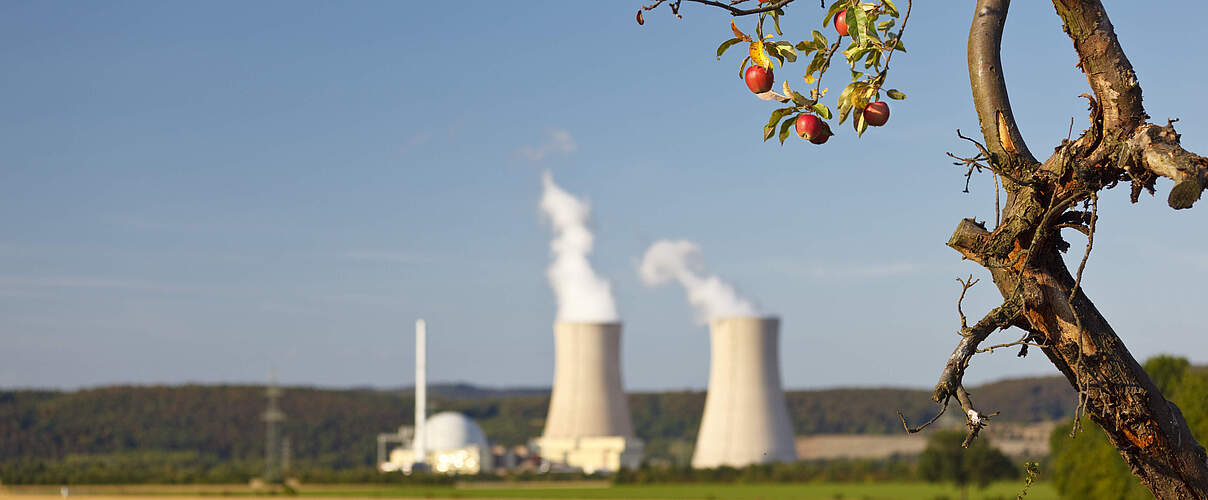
(844, 109)
(895, 94)
(860, 25)
(806, 46)
(776, 22)
(855, 75)
(820, 40)
(871, 31)
(896, 44)
(817, 63)
(855, 55)
(873, 60)
(822, 110)
(885, 25)
(776, 55)
(721, 49)
(799, 99)
(891, 8)
(774, 119)
(786, 50)
(834, 9)
(786, 127)
(859, 124)
(742, 67)
(847, 99)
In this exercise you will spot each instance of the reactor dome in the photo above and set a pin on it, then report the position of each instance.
(453, 431)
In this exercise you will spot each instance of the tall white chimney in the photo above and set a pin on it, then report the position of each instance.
(421, 389)
(746, 420)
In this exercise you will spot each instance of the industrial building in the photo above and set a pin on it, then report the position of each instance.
(588, 426)
(745, 420)
(452, 444)
(447, 442)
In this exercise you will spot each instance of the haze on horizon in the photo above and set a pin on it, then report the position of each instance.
(191, 195)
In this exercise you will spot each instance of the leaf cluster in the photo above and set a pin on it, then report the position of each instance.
(867, 54)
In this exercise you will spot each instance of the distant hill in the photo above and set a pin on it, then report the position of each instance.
(337, 427)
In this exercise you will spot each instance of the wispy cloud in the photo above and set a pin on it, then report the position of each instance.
(557, 141)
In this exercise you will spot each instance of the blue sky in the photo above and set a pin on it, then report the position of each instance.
(199, 192)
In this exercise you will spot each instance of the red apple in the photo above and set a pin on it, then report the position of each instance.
(758, 78)
(876, 113)
(810, 128)
(821, 138)
(841, 22)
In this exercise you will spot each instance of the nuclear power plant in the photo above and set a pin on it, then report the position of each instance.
(588, 425)
(745, 420)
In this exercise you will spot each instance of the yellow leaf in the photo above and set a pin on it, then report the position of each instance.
(809, 79)
(738, 33)
(758, 56)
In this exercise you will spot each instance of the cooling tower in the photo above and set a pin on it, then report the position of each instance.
(745, 419)
(588, 425)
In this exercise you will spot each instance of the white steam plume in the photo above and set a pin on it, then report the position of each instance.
(582, 295)
(681, 261)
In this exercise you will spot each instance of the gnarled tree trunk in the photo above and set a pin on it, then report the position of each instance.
(1023, 251)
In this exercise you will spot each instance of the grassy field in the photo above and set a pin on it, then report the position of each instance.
(777, 491)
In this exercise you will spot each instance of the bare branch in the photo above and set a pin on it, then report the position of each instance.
(989, 87)
(913, 430)
(729, 6)
(974, 419)
(971, 337)
(965, 286)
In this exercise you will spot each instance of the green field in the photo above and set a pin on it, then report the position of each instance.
(776, 491)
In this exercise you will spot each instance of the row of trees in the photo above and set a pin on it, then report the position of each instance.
(1088, 466)
(336, 428)
(943, 461)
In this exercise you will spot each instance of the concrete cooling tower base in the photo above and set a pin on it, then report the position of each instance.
(588, 426)
(745, 420)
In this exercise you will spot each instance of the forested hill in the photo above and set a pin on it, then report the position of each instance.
(337, 427)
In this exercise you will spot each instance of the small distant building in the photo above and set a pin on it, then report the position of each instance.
(453, 444)
(591, 454)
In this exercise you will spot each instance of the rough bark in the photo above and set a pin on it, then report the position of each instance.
(1023, 253)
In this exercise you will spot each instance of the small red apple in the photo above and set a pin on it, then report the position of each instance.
(758, 78)
(810, 128)
(821, 138)
(876, 113)
(841, 22)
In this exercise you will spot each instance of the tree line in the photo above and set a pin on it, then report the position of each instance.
(213, 433)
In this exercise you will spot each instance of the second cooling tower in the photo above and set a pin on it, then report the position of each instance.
(588, 425)
(745, 420)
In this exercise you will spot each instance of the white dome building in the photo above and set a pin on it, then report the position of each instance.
(454, 444)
